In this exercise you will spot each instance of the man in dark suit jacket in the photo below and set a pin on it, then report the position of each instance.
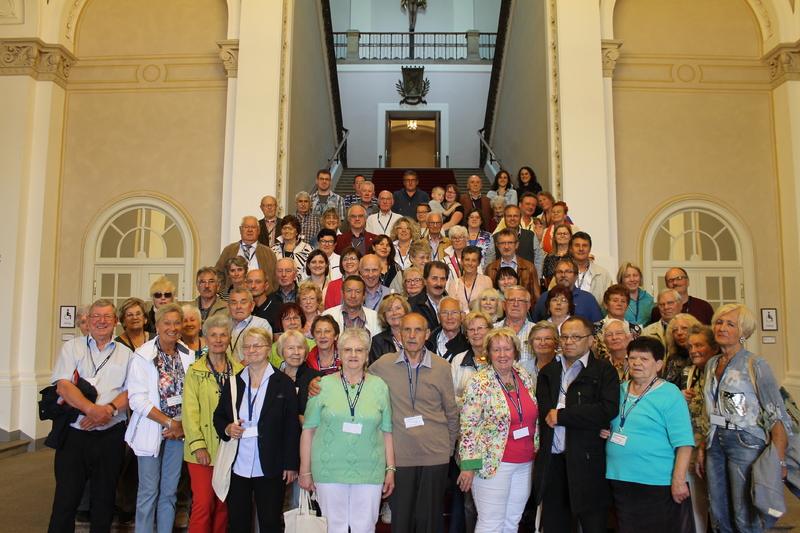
(578, 396)
(427, 302)
(270, 225)
(449, 334)
(474, 199)
(508, 245)
(357, 237)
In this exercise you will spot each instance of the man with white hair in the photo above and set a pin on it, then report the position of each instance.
(256, 254)
(382, 222)
(309, 223)
(240, 307)
(669, 304)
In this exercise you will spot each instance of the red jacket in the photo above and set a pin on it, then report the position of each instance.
(344, 240)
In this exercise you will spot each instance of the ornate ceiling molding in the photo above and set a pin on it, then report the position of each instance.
(610, 55)
(229, 53)
(783, 63)
(37, 59)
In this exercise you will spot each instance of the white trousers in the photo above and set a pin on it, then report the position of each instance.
(501, 499)
(346, 505)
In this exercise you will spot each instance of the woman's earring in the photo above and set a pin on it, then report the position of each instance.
(742, 339)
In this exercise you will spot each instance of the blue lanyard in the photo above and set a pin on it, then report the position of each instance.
(636, 313)
(623, 415)
(250, 400)
(354, 402)
(518, 404)
(218, 375)
(411, 385)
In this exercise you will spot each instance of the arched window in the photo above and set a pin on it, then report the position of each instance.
(709, 242)
(134, 242)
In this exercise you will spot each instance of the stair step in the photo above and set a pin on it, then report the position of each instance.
(16, 447)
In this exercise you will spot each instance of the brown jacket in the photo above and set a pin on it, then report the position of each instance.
(486, 207)
(528, 277)
(266, 262)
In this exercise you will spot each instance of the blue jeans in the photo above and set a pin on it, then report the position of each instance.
(158, 485)
(729, 467)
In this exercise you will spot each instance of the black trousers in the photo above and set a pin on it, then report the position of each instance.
(416, 501)
(269, 495)
(557, 514)
(650, 508)
(95, 456)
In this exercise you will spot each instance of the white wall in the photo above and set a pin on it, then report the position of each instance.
(463, 87)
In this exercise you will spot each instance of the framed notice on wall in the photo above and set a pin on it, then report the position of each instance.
(769, 319)
(67, 316)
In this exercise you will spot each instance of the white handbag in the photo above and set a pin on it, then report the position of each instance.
(303, 519)
(226, 453)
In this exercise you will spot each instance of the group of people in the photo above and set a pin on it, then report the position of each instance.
(437, 355)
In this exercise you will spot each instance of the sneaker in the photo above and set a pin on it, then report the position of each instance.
(182, 518)
(386, 513)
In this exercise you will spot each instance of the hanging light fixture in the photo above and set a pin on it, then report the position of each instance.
(412, 125)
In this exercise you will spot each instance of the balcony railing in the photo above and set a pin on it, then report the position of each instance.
(415, 46)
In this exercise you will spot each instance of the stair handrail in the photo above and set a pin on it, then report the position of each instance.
(339, 147)
(492, 156)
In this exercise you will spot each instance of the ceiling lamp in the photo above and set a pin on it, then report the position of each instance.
(412, 124)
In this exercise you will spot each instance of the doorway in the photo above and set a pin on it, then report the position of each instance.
(413, 139)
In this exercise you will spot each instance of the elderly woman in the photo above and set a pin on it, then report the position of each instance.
(490, 301)
(453, 212)
(499, 435)
(202, 388)
(741, 412)
(503, 188)
(616, 336)
(309, 298)
(404, 232)
(526, 178)
(392, 308)
(452, 254)
(498, 205)
(647, 454)
(678, 359)
(82, 319)
(156, 379)
(419, 254)
(288, 317)
(560, 251)
(641, 303)
(615, 302)
(702, 347)
(471, 283)
(558, 215)
(346, 450)
(543, 339)
(348, 264)
(476, 236)
(290, 243)
(162, 291)
(318, 270)
(413, 281)
(190, 331)
(466, 364)
(383, 247)
(330, 220)
(324, 357)
(236, 268)
(559, 305)
(133, 317)
(293, 349)
(265, 421)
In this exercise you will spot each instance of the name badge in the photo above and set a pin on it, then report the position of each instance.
(618, 438)
(91, 381)
(349, 427)
(250, 433)
(413, 421)
(521, 432)
(718, 420)
(172, 401)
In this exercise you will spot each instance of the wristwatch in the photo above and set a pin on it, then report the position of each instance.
(114, 407)
(783, 463)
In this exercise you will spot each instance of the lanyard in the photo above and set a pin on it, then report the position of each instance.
(400, 256)
(411, 386)
(623, 416)
(454, 260)
(636, 313)
(239, 336)
(518, 404)
(384, 226)
(250, 400)
(396, 343)
(719, 382)
(352, 403)
(89, 350)
(248, 254)
(471, 290)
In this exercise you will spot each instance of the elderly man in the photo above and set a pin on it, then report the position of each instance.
(352, 313)
(409, 197)
(669, 305)
(270, 225)
(92, 447)
(677, 278)
(324, 198)
(578, 396)
(507, 245)
(368, 200)
(286, 272)
(264, 306)
(256, 254)
(351, 199)
(382, 222)
(447, 340)
(530, 249)
(207, 281)
(473, 199)
(309, 222)
(370, 270)
(427, 302)
(516, 304)
(240, 308)
(358, 237)
(438, 242)
(585, 304)
(591, 277)
(425, 422)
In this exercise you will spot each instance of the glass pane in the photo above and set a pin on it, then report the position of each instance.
(729, 289)
(727, 246)
(174, 242)
(128, 220)
(108, 245)
(712, 288)
(683, 249)
(129, 244)
(709, 223)
(154, 246)
(107, 285)
(661, 246)
(124, 285)
(706, 247)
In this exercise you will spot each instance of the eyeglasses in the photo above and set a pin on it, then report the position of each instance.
(351, 351)
(573, 338)
(517, 301)
(562, 272)
(356, 216)
(350, 258)
(133, 315)
(479, 329)
(291, 318)
(507, 243)
(560, 300)
(678, 278)
(249, 227)
(666, 304)
(414, 280)
(543, 339)
(449, 313)
(401, 227)
(107, 318)
(252, 347)
(458, 238)
(326, 241)
(206, 282)
(162, 295)
(308, 299)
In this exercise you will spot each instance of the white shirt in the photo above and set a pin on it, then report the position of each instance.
(381, 224)
(238, 331)
(568, 375)
(252, 260)
(584, 282)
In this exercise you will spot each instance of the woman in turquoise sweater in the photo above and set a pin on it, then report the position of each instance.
(346, 451)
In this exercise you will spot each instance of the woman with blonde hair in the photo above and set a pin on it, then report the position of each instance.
(404, 232)
(641, 303)
(190, 331)
(162, 291)
(490, 301)
(677, 358)
(391, 310)
(413, 281)
(309, 298)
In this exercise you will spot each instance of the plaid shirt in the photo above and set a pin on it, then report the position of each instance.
(351, 199)
(334, 200)
(309, 227)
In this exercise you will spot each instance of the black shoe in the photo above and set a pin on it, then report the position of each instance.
(84, 517)
(127, 518)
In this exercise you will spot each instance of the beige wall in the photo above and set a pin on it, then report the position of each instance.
(521, 125)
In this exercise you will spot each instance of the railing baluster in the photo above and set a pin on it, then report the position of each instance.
(448, 46)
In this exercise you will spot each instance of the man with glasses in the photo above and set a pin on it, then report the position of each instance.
(370, 270)
(352, 313)
(438, 242)
(427, 302)
(529, 247)
(447, 340)
(677, 278)
(207, 281)
(507, 244)
(358, 237)
(409, 197)
(382, 222)
(240, 308)
(270, 225)
(324, 198)
(326, 240)
(585, 304)
(516, 304)
(91, 448)
(578, 396)
(309, 222)
(669, 305)
(256, 254)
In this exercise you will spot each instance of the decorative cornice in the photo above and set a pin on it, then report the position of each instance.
(610, 55)
(783, 63)
(35, 58)
(229, 53)
(77, 5)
